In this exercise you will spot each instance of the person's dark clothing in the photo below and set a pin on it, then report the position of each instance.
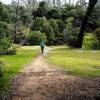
(42, 46)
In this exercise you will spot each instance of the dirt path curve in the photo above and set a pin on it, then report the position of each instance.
(41, 81)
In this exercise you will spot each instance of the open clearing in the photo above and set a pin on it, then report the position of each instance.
(42, 81)
(76, 62)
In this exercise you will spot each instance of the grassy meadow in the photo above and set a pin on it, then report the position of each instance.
(14, 63)
(76, 61)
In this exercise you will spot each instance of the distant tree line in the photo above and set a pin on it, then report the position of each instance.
(56, 22)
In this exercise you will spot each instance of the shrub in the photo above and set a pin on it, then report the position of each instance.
(95, 45)
(6, 46)
(4, 31)
(19, 37)
(71, 37)
(34, 37)
(91, 42)
(97, 34)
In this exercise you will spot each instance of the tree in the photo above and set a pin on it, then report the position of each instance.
(54, 13)
(83, 26)
(54, 2)
(4, 13)
(48, 29)
(38, 24)
(82, 2)
(54, 24)
(16, 18)
(69, 2)
(21, 19)
(70, 33)
(35, 37)
(49, 3)
(5, 40)
(59, 3)
(41, 10)
(4, 20)
(94, 19)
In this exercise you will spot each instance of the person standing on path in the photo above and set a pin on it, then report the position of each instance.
(42, 45)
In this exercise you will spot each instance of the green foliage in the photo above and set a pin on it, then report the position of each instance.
(94, 19)
(45, 26)
(34, 37)
(3, 29)
(51, 18)
(73, 11)
(4, 13)
(52, 22)
(91, 42)
(19, 37)
(71, 38)
(1, 69)
(61, 25)
(97, 34)
(41, 10)
(38, 24)
(6, 46)
(69, 23)
(54, 13)
(48, 29)
(88, 41)
(71, 33)
(23, 15)
(96, 45)
(57, 34)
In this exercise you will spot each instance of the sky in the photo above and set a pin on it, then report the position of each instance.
(6, 1)
(9, 1)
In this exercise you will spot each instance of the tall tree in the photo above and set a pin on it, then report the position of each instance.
(4, 19)
(49, 3)
(84, 23)
(58, 3)
(16, 17)
(82, 2)
(54, 2)
(69, 2)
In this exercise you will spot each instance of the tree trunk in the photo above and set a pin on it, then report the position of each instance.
(69, 2)
(16, 19)
(84, 23)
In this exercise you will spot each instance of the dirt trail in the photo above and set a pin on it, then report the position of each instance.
(41, 81)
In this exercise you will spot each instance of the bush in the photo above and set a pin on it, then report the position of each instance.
(71, 37)
(34, 37)
(96, 45)
(90, 42)
(4, 31)
(97, 34)
(6, 46)
(19, 37)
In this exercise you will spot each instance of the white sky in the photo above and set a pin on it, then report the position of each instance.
(6, 1)
(9, 1)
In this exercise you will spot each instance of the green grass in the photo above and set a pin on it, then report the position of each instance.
(76, 62)
(14, 63)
